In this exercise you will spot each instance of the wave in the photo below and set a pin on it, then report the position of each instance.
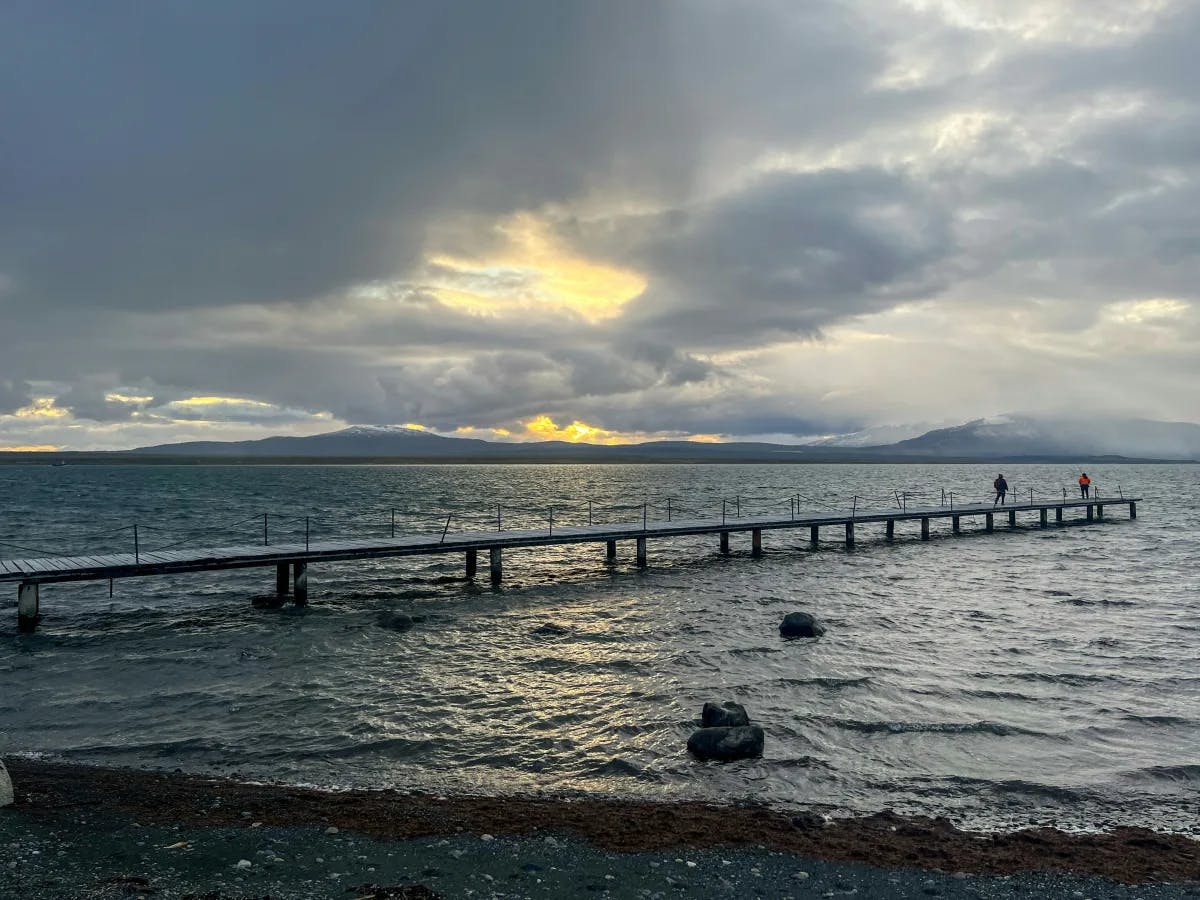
(998, 729)
(1186, 774)
(825, 682)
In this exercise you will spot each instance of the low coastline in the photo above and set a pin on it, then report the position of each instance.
(52, 793)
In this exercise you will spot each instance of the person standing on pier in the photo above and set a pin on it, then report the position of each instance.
(1001, 487)
(1085, 484)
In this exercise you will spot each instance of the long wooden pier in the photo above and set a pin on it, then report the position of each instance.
(291, 560)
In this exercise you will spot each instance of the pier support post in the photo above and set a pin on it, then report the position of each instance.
(849, 534)
(496, 563)
(641, 553)
(1043, 518)
(610, 550)
(814, 534)
(925, 528)
(1058, 515)
(988, 522)
(282, 581)
(956, 524)
(472, 563)
(1133, 510)
(1099, 510)
(756, 541)
(1091, 512)
(300, 584)
(891, 529)
(724, 543)
(1012, 518)
(29, 606)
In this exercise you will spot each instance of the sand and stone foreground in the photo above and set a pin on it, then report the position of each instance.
(101, 833)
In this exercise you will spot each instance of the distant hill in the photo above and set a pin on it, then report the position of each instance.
(1018, 435)
(1011, 437)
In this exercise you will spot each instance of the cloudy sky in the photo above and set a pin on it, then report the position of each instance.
(611, 220)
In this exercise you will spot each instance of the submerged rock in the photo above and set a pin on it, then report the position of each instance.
(738, 742)
(800, 624)
(6, 787)
(724, 715)
(396, 621)
(551, 629)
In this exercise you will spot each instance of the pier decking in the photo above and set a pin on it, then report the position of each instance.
(291, 560)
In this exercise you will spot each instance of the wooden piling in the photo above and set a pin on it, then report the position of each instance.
(814, 535)
(1012, 518)
(956, 524)
(988, 523)
(282, 582)
(925, 528)
(1042, 518)
(1133, 510)
(891, 529)
(1091, 512)
(849, 534)
(1058, 515)
(724, 543)
(300, 584)
(641, 552)
(756, 541)
(29, 606)
(472, 563)
(496, 563)
(1099, 510)
(610, 550)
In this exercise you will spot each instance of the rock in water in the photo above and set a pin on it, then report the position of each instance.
(800, 624)
(740, 742)
(551, 629)
(723, 715)
(396, 621)
(6, 788)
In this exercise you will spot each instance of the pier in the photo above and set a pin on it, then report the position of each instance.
(291, 559)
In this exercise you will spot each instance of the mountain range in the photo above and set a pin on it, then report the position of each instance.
(1010, 437)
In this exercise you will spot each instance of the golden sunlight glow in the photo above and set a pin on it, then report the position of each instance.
(41, 408)
(1143, 312)
(534, 270)
(30, 448)
(114, 397)
(414, 426)
(219, 401)
(544, 428)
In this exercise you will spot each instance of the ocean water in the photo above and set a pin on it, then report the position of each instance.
(1024, 676)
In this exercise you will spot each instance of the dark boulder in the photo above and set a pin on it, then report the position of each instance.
(723, 715)
(800, 624)
(742, 742)
(395, 621)
(551, 629)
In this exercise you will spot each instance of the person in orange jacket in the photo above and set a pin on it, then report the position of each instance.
(1085, 484)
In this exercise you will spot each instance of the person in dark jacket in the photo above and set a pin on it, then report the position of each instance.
(1001, 487)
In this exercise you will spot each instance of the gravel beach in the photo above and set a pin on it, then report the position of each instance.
(96, 833)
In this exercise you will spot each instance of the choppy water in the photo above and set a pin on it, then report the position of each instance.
(1025, 676)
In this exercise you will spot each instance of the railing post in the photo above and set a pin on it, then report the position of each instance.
(499, 521)
(589, 512)
(137, 555)
(306, 534)
(552, 521)
(447, 528)
(668, 509)
(393, 521)
(737, 500)
(265, 541)
(722, 510)
(644, 509)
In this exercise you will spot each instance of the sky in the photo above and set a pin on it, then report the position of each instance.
(610, 221)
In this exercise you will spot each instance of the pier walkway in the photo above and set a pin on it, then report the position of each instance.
(291, 559)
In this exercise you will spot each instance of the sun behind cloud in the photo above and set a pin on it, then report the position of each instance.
(534, 270)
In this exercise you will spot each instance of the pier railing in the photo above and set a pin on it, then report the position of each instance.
(151, 535)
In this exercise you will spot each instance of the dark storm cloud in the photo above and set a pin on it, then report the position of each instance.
(13, 395)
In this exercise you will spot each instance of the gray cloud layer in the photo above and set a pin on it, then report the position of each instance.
(243, 201)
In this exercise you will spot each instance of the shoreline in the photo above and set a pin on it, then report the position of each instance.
(50, 792)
